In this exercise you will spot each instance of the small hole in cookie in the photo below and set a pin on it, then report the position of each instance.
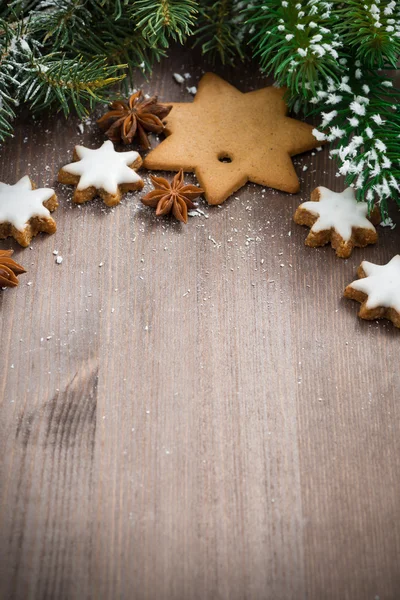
(224, 158)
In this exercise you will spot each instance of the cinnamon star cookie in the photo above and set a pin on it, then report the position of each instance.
(378, 289)
(25, 211)
(228, 138)
(339, 219)
(102, 172)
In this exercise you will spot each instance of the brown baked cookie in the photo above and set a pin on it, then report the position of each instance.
(339, 219)
(228, 138)
(25, 210)
(102, 172)
(378, 290)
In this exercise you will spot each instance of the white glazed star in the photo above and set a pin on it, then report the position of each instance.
(103, 168)
(20, 202)
(381, 284)
(339, 211)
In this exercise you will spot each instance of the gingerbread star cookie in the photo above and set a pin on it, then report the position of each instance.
(25, 211)
(339, 219)
(102, 172)
(378, 289)
(228, 138)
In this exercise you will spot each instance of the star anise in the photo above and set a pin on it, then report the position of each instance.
(175, 197)
(133, 118)
(9, 269)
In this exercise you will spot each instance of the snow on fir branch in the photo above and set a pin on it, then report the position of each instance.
(362, 123)
(329, 55)
(222, 30)
(65, 53)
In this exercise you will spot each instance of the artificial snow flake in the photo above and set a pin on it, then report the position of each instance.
(344, 86)
(357, 140)
(337, 132)
(394, 183)
(345, 167)
(357, 108)
(353, 121)
(372, 154)
(319, 135)
(369, 132)
(334, 99)
(178, 78)
(376, 170)
(360, 181)
(379, 145)
(378, 119)
(388, 10)
(327, 117)
(384, 189)
(386, 163)
(317, 49)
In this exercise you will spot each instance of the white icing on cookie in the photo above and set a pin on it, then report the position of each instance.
(382, 284)
(339, 211)
(20, 202)
(103, 168)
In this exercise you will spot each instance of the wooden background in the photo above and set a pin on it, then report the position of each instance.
(202, 417)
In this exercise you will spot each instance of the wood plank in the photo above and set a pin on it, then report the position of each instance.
(203, 422)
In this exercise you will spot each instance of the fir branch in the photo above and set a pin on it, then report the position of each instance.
(327, 54)
(372, 31)
(49, 79)
(221, 30)
(28, 76)
(362, 123)
(159, 20)
(117, 41)
(295, 41)
(7, 113)
(8, 81)
(59, 21)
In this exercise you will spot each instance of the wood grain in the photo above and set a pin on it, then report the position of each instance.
(208, 418)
